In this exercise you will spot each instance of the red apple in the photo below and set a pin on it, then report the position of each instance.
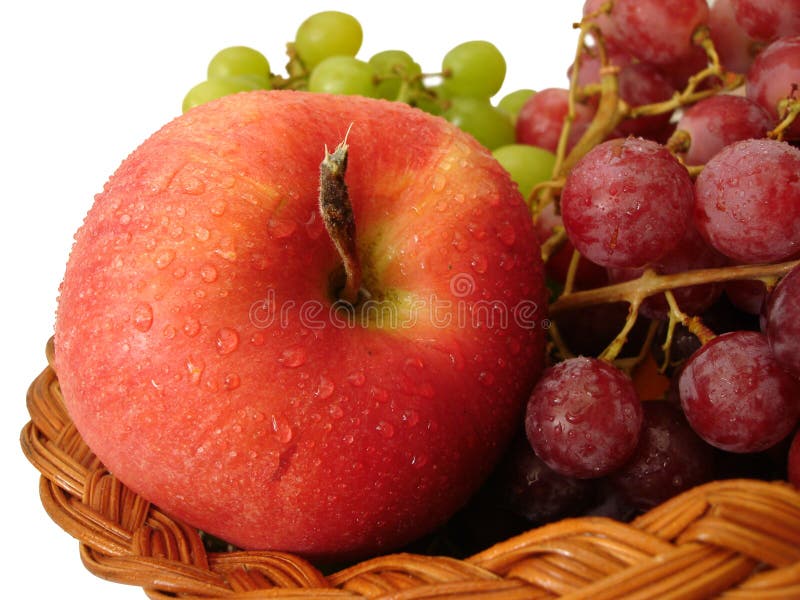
(202, 359)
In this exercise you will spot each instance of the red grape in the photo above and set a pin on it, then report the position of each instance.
(747, 201)
(627, 202)
(669, 458)
(783, 322)
(640, 84)
(583, 418)
(541, 119)
(655, 31)
(775, 76)
(746, 295)
(691, 253)
(736, 49)
(736, 395)
(679, 72)
(589, 64)
(765, 20)
(526, 486)
(718, 121)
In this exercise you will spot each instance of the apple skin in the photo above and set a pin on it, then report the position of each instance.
(273, 428)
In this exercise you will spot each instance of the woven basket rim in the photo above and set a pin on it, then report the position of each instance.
(738, 537)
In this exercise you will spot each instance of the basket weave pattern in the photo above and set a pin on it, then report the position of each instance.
(734, 539)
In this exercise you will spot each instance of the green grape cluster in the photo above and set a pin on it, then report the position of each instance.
(323, 57)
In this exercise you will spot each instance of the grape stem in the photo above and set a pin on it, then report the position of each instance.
(789, 109)
(612, 110)
(651, 283)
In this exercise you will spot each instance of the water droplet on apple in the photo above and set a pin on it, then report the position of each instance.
(195, 366)
(169, 332)
(164, 258)
(191, 326)
(348, 439)
(143, 316)
(231, 381)
(314, 225)
(410, 417)
(202, 234)
(282, 429)
(281, 228)
(459, 243)
(413, 362)
(486, 379)
(508, 262)
(438, 182)
(179, 273)
(257, 339)
(226, 249)
(124, 219)
(227, 340)
(208, 273)
(259, 261)
(336, 411)
(385, 429)
(357, 378)
(193, 186)
(218, 208)
(479, 263)
(379, 394)
(478, 232)
(506, 234)
(419, 460)
(325, 388)
(293, 357)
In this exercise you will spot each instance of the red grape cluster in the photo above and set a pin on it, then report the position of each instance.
(678, 174)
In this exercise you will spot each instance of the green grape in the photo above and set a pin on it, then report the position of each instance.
(527, 165)
(328, 33)
(237, 61)
(512, 102)
(343, 75)
(393, 68)
(435, 103)
(212, 89)
(475, 69)
(490, 126)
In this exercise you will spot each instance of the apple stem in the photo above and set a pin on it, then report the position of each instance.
(337, 214)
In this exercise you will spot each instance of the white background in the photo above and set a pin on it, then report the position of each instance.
(83, 83)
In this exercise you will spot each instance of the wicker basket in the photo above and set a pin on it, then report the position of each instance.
(733, 539)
